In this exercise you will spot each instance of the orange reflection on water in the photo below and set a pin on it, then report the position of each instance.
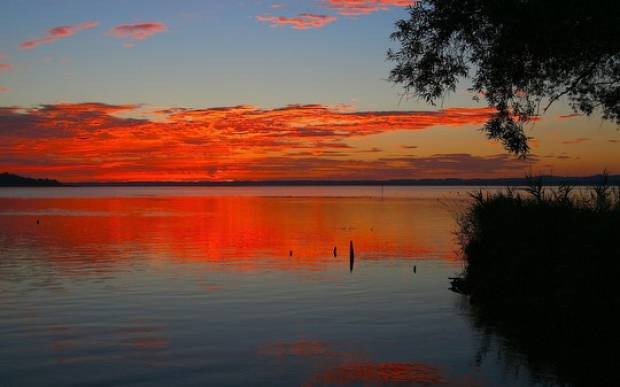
(281, 232)
(297, 348)
(379, 374)
(340, 367)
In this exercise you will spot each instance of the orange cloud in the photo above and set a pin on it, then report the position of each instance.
(4, 89)
(576, 141)
(363, 7)
(569, 116)
(95, 141)
(303, 21)
(137, 31)
(5, 66)
(57, 33)
(327, 166)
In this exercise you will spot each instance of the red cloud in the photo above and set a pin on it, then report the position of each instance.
(4, 89)
(304, 21)
(137, 31)
(363, 7)
(58, 33)
(5, 66)
(95, 141)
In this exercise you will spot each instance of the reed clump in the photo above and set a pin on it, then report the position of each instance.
(542, 266)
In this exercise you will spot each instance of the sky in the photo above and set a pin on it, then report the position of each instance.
(145, 90)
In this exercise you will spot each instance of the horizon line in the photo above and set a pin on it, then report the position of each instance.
(614, 179)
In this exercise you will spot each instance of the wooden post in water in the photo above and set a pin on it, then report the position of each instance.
(335, 252)
(351, 256)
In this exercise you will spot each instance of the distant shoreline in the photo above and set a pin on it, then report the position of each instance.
(10, 180)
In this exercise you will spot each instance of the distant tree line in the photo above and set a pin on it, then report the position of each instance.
(11, 180)
(8, 180)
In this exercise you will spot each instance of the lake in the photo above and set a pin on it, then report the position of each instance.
(237, 286)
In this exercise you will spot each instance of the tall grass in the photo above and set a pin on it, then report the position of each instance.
(543, 266)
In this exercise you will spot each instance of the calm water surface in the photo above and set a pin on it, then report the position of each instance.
(197, 286)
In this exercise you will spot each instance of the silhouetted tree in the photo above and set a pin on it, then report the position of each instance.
(521, 56)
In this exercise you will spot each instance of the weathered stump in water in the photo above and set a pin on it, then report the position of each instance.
(335, 252)
(351, 256)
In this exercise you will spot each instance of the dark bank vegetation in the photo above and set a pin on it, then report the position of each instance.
(542, 270)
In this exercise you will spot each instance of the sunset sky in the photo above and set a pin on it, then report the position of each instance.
(245, 90)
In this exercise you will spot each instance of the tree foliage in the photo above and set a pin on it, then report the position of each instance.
(521, 56)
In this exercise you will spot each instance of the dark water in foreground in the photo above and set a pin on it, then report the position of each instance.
(196, 286)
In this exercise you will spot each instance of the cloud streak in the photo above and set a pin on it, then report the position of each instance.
(363, 7)
(303, 21)
(137, 31)
(576, 141)
(56, 33)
